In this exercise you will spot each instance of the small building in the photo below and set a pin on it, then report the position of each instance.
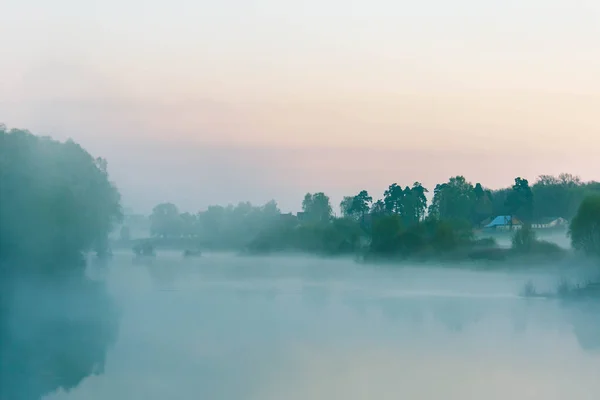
(550, 222)
(504, 223)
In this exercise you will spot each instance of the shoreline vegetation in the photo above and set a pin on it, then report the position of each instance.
(401, 227)
(58, 205)
(56, 324)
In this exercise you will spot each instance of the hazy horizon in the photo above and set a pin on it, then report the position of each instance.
(260, 100)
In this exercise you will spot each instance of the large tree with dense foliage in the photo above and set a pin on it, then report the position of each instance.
(166, 221)
(585, 226)
(415, 203)
(560, 196)
(520, 200)
(56, 204)
(454, 199)
(317, 207)
(393, 198)
(378, 208)
(482, 204)
(409, 203)
(356, 207)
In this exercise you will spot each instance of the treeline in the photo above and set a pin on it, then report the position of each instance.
(216, 228)
(401, 222)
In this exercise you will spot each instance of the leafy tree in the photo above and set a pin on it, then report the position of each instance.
(165, 220)
(450, 234)
(341, 236)
(378, 208)
(520, 200)
(317, 207)
(57, 203)
(569, 180)
(585, 227)
(524, 240)
(414, 204)
(499, 201)
(454, 199)
(483, 205)
(346, 207)
(270, 210)
(356, 207)
(560, 196)
(393, 198)
(361, 203)
(188, 225)
(233, 227)
(213, 220)
(56, 198)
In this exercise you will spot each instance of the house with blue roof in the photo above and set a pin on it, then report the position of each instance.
(504, 222)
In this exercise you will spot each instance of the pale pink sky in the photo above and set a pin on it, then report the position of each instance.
(198, 102)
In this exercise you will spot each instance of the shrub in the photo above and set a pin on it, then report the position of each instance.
(585, 227)
(523, 241)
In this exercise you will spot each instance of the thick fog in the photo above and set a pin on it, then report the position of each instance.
(229, 327)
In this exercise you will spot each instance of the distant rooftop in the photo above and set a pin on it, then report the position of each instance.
(503, 220)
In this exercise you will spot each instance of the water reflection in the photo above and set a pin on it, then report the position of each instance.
(227, 327)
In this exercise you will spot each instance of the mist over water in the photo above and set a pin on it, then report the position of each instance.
(228, 327)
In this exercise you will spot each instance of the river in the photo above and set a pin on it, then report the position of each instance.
(273, 328)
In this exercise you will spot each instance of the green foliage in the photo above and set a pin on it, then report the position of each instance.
(340, 236)
(385, 234)
(451, 233)
(395, 225)
(216, 228)
(409, 203)
(356, 207)
(56, 204)
(525, 241)
(278, 236)
(317, 207)
(378, 208)
(393, 199)
(57, 200)
(458, 199)
(585, 227)
(346, 207)
(519, 201)
(390, 236)
(165, 220)
(415, 203)
(549, 197)
(560, 196)
(549, 249)
(499, 202)
(482, 205)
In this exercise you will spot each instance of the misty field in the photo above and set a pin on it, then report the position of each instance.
(228, 327)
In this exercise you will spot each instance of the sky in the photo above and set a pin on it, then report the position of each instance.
(200, 102)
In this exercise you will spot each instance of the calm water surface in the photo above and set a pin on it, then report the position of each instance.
(227, 327)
